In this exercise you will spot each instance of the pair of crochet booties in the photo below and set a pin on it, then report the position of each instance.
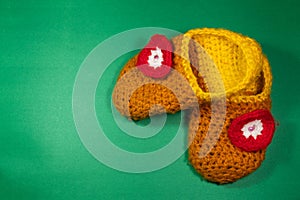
(224, 81)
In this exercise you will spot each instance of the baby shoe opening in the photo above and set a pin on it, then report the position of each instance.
(213, 53)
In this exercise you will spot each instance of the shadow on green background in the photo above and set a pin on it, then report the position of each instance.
(42, 46)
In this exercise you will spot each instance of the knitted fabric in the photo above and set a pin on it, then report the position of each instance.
(237, 59)
(155, 60)
(135, 94)
(252, 131)
(225, 162)
(209, 65)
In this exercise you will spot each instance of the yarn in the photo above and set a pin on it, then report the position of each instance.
(202, 59)
(155, 60)
(237, 57)
(252, 131)
(227, 162)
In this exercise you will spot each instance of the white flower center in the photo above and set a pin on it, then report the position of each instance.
(253, 129)
(156, 58)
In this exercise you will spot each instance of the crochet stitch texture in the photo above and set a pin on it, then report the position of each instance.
(210, 65)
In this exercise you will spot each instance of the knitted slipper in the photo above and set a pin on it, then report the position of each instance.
(139, 87)
(225, 152)
(240, 147)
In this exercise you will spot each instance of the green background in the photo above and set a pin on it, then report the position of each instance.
(42, 45)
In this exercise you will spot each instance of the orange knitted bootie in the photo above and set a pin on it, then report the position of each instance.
(229, 133)
(226, 152)
(142, 84)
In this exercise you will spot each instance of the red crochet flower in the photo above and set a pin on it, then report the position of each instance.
(155, 60)
(252, 131)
